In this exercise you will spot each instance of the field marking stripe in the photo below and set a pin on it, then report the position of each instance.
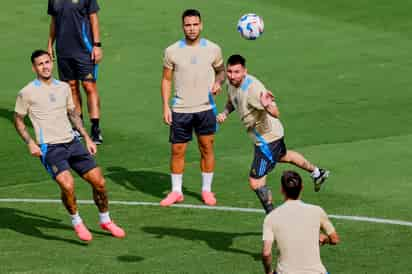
(220, 208)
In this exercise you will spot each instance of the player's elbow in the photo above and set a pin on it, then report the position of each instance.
(266, 255)
(267, 251)
(17, 119)
(274, 112)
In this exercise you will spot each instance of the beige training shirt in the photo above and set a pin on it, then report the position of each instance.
(246, 100)
(193, 73)
(47, 107)
(295, 227)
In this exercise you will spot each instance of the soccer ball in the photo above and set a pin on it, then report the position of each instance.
(250, 26)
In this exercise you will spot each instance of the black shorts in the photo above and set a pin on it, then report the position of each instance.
(57, 158)
(77, 68)
(204, 123)
(266, 157)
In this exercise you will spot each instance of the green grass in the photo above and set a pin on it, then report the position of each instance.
(340, 72)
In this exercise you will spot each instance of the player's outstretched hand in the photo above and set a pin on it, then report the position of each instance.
(266, 98)
(167, 115)
(34, 149)
(91, 146)
(221, 117)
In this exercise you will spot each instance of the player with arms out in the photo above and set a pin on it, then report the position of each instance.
(196, 68)
(50, 107)
(260, 115)
(298, 229)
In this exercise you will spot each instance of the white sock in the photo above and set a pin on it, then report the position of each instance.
(104, 217)
(76, 219)
(316, 173)
(177, 182)
(207, 178)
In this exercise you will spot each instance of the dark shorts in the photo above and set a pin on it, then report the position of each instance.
(61, 157)
(183, 124)
(77, 68)
(266, 157)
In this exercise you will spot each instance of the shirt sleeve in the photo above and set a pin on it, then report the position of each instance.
(218, 61)
(22, 105)
(50, 8)
(167, 60)
(325, 224)
(254, 95)
(92, 6)
(70, 104)
(268, 234)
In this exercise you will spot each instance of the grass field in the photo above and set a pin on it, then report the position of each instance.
(341, 73)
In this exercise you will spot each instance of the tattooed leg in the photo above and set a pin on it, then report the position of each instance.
(66, 184)
(96, 180)
(100, 199)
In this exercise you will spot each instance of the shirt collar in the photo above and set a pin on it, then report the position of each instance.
(38, 83)
(202, 43)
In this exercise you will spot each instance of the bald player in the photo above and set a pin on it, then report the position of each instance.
(195, 65)
(260, 115)
(298, 229)
(51, 110)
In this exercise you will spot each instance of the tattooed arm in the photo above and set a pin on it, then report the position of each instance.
(78, 124)
(22, 131)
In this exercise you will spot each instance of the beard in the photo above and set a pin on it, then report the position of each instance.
(192, 38)
(45, 77)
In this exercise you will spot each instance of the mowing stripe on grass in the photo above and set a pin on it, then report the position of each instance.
(220, 208)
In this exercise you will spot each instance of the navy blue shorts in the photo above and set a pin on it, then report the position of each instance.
(77, 68)
(183, 124)
(266, 157)
(61, 157)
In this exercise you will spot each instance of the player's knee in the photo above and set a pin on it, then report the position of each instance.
(178, 151)
(285, 158)
(254, 184)
(90, 87)
(67, 187)
(206, 149)
(65, 181)
(74, 86)
(100, 184)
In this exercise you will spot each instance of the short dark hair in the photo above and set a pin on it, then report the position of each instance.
(236, 59)
(291, 184)
(38, 53)
(191, 12)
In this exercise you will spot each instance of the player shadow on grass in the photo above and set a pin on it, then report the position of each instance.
(150, 182)
(31, 224)
(220, 241)
(130, 258)
(9, 115)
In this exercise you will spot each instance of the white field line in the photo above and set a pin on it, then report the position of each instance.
(220, 208)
